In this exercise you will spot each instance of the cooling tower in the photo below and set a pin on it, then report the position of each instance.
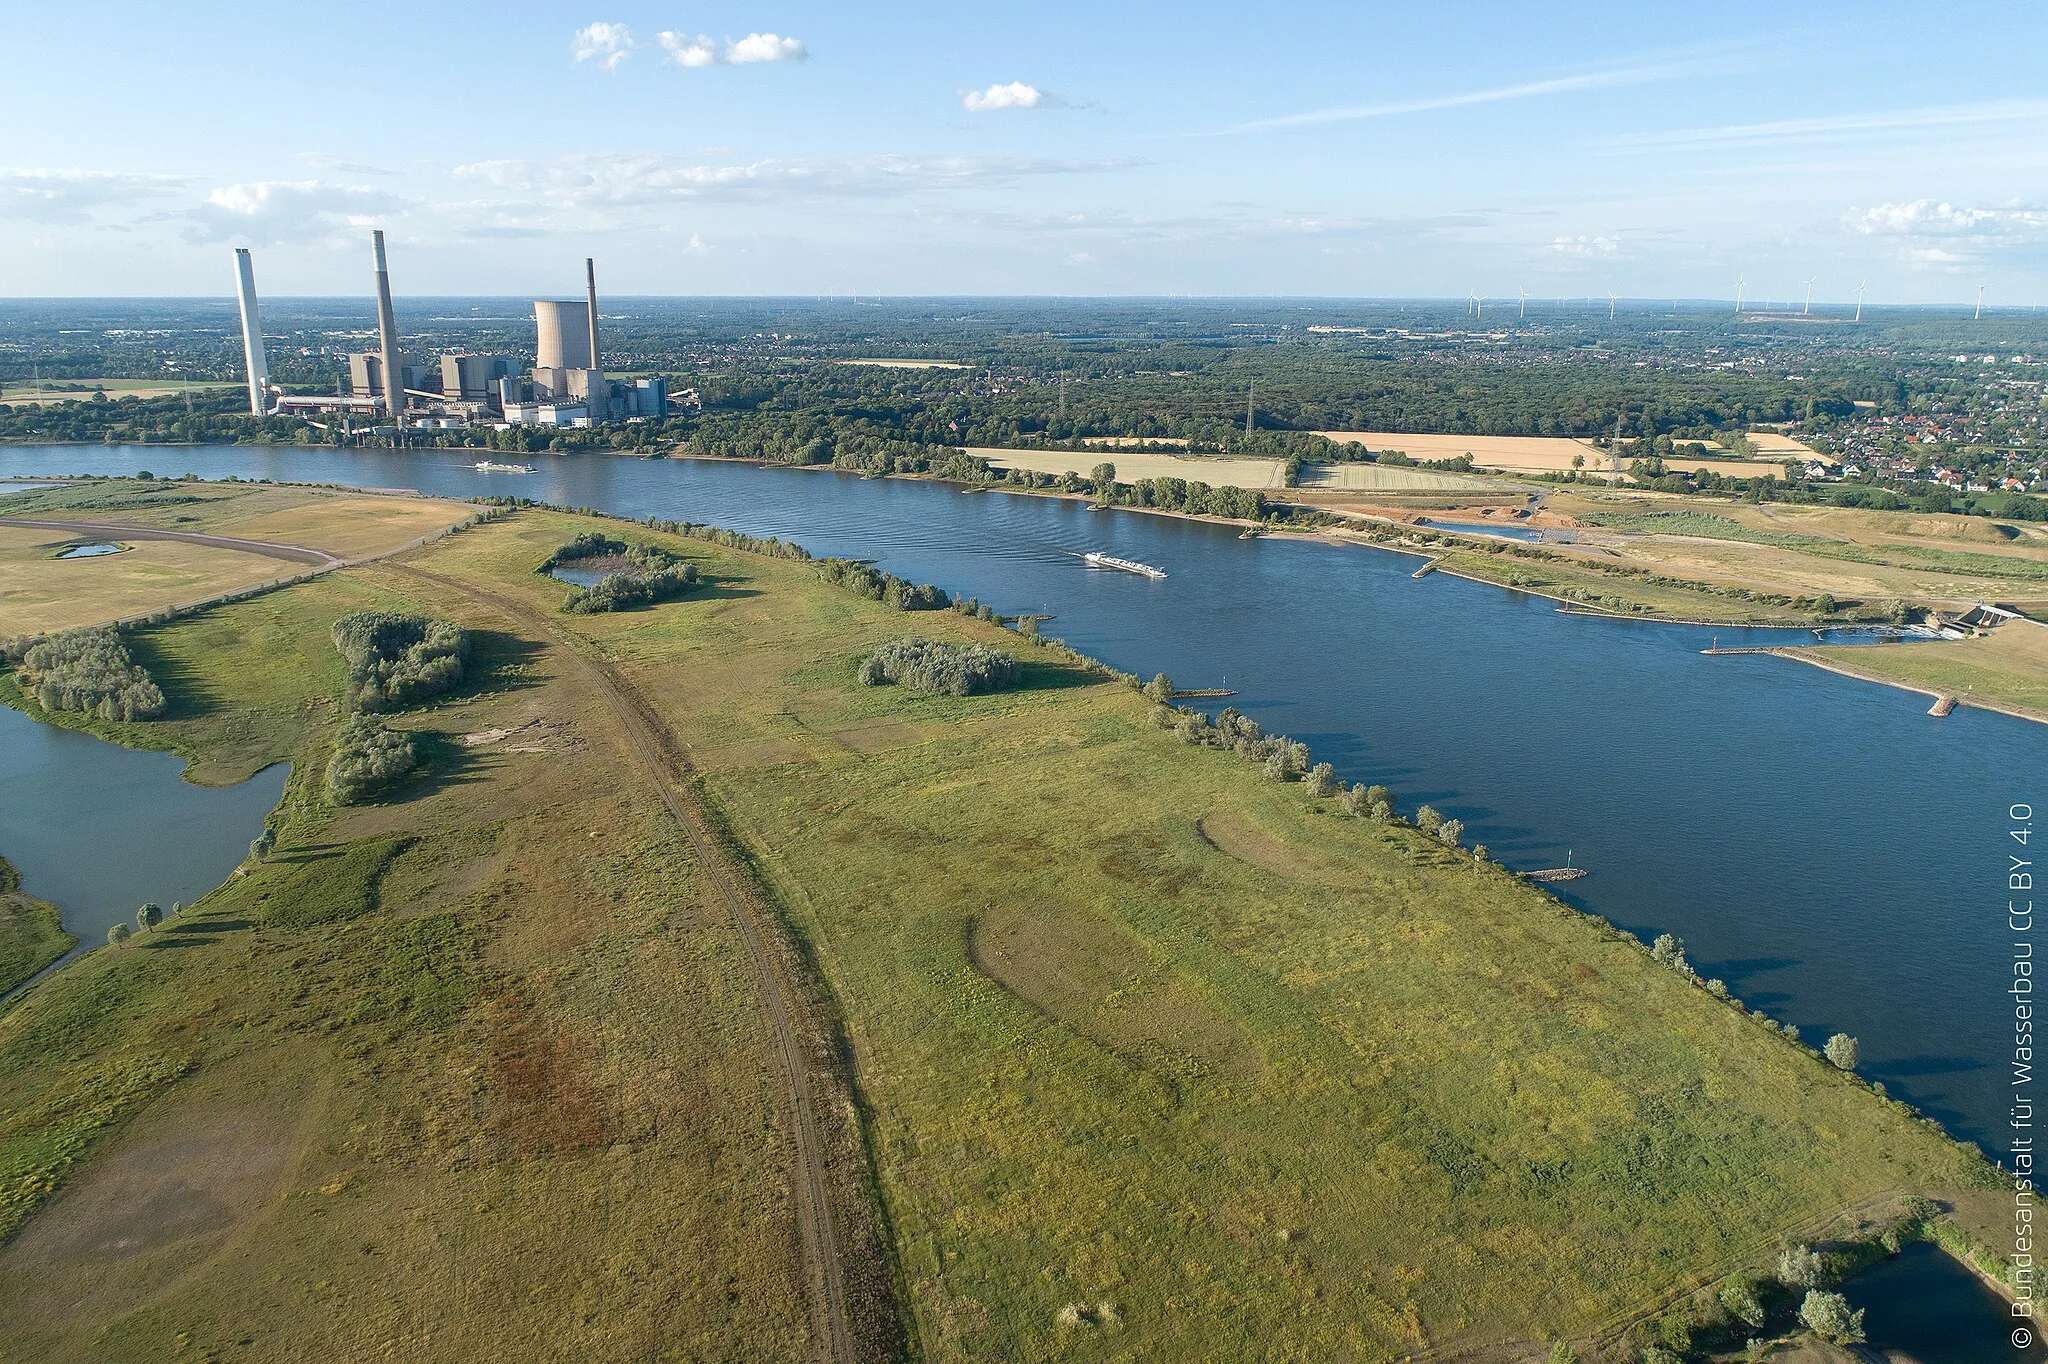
(564, 337)
(252, 335)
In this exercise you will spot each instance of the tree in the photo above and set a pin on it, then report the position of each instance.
(149, 916)
(1160, 688)
(176, 909)
(1428, 820)
(118, 934)
(260, 846)
(1739, 1296)
(1479, 852)
(1802, 1267)
(1842, 1050)
(1668, 949)
(1829, 1316)
(1102, 476)
(1322, 779)
(1451, 831)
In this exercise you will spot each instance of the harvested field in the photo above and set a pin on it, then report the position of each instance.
(40, 592)
(1536, 454)
(1216, 471)
(906, 364)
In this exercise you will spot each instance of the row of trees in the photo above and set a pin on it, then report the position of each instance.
(87, 671)
(939, 669)
(396, 660)
(865, 580)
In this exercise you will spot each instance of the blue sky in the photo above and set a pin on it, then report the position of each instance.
(1356, 149)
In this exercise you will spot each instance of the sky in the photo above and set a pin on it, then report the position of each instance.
(1316, 149)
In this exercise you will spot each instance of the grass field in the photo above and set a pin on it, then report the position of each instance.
(2007, 667)
(31, 931)
(39, 591)
(1540, 454)
(1160, 1059)
(15, 392)
(1213, 470)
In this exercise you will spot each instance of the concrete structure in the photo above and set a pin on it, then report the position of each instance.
(252, 335)
(473, 378)
(646, 398)
(366, 375)
(590, 302)
(564, 337)
(387, 331)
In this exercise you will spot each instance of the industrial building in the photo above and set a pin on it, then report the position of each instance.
(567, 387)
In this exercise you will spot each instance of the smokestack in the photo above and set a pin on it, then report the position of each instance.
(590, 288)
(387, 336)
(252, 335)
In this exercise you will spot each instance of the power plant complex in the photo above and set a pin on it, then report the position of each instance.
(567, 386)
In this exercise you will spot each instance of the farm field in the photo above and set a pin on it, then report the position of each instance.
(17, 392)
(39, 591)
(1535, 454)
(1200, 1069)
(1216, 471)
(905, 364)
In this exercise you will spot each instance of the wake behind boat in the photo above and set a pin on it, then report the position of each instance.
(484, 466)
(1101, 560)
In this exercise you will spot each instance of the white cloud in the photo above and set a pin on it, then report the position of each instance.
(624, 181)
(1585, 248)
(1925, 217)
(1015, 95)
(765, 47)
(1838, 126)
(684, 50)
(71, 195)
(1596, 80)
(269, 212)
(327, 161)
(605, 44)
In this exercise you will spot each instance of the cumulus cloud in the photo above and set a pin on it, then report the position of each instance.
(765, 47)
(72, 196)
(1014, 95)
(327, 161)
(270, 212)
(684, 50)
(1925, 217)
(700, 51)
(605, 44)
(1583, 247)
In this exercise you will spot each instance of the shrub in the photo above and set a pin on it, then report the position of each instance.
(396, 659)
(149, 916)
(1739, 1296)
(619, 591)
(940, 669)
(1829, 1316)
(1321, 779)
(1428, 820)
(119, 934)
(367, 759)
(1802, 1267)
(87, 671)
(1842, 1050)
(1451, 831)
(1160, 688)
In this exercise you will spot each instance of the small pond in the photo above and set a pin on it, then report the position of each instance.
(90, 551)
(1923, 1305)
(1499, 530)
(582, 577)
(97, 829)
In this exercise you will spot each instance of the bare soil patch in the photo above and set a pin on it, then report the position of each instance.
(1234, 835)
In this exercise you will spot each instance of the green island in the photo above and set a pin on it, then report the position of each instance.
(702, 992)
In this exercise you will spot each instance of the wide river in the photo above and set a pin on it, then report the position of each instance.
(1823, 845)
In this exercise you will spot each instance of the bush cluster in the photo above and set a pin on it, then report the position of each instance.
(367, 759)
(651, 574)
(88, 671)
(866, 581)
(927, 665)
(395, 660)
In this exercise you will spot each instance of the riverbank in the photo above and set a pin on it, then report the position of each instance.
(1105, 1042)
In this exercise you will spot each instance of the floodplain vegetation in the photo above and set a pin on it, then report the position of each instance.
(1155, 1056)
(31, 931)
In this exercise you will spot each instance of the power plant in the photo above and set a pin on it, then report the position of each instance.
(567, 386)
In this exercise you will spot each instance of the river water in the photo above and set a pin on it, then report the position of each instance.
(1831, 851)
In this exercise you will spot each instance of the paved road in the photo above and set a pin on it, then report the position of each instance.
(654, 749)
(114, 530)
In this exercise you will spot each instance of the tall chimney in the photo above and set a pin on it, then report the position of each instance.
(590, 286)
(387, 336)
(252, 335)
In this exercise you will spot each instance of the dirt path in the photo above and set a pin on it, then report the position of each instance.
(114, 530)
(654, 749)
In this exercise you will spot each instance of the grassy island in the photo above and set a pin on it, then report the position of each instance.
(1105, 1046)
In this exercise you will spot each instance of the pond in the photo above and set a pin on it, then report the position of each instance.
(1923, 1305)
(1499, 530)
(98, 829)
(90, 551)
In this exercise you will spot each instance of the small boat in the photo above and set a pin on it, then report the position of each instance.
(1101, 560)
(484, 466)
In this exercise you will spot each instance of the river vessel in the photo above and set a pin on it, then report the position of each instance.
(1101, 560)
(484, 466)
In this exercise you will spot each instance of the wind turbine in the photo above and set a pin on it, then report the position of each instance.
(1859, 299)
(1524, 312)
(1740, 280)
(1611, 300)
(1809, 298)
(1980, 304)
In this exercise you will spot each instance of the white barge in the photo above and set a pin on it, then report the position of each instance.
(484, 466)
(1101, 560)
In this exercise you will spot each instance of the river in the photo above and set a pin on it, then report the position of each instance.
(1825, 847)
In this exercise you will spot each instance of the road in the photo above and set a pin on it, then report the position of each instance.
(654, 750)
(113, 530)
